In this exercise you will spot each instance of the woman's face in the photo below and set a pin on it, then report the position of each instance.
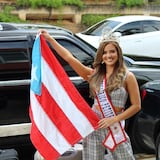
(110, 55)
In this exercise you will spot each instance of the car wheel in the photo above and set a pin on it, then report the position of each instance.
(158, 147)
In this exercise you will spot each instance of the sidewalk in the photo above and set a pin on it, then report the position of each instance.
(137, 156)
(145, 157)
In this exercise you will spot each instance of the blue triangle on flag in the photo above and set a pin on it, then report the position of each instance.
(36, 67)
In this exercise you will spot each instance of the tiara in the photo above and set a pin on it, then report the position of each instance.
(108, 35)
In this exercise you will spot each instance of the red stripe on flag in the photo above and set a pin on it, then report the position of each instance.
(75, 96)
(58, 117)
(40, 142)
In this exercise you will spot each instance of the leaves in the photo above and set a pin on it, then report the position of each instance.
(48, 3)
(129, 3)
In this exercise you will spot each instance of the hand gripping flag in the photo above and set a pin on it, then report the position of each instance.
(60, 116)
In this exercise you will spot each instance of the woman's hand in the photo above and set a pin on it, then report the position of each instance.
(106, 122)
(45, 34)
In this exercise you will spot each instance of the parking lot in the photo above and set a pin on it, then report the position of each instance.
(145, 157)
(137, 156)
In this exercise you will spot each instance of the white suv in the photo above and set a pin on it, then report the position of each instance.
(140, 35)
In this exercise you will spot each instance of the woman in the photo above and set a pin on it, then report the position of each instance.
(119, 83)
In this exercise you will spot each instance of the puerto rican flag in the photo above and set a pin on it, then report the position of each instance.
(60, 116)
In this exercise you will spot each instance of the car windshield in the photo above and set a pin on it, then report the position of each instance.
(97, 30)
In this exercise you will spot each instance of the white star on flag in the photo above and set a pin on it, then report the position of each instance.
(34, 75)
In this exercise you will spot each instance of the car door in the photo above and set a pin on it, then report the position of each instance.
(131, 39)
(151, 38)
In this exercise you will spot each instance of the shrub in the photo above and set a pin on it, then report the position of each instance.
(6, 16)
(90, 19)
(129, 3)
(48, 3)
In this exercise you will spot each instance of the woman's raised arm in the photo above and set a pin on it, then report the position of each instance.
(79, 68)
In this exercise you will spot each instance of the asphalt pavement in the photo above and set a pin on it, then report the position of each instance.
(137, 156)
(78, 155)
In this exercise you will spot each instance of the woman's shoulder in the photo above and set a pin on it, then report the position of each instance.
(130, 76)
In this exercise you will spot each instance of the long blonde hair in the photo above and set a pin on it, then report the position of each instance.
(116, 79)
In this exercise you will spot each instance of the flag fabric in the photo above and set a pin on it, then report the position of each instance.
(60, 116)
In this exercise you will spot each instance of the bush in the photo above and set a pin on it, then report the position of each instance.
(48, 3)
(6, 16)
(129, 3)
(90, 19)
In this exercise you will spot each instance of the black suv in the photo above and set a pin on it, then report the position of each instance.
(15, 64)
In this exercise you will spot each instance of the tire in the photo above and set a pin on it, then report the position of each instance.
(158, 148)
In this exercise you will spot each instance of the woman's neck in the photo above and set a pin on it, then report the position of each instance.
(109, 71)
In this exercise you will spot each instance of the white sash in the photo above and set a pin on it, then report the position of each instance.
(116, 133)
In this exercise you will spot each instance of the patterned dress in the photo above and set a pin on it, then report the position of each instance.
(93, 148)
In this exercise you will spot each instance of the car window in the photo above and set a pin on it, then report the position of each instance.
(151, 26)
(130, 28)
(13, 56)
(14, 60)
(13, 52)
(7, 27)
(98, 29)
(77, 51)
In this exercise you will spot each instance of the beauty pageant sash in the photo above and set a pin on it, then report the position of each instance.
(116, 133)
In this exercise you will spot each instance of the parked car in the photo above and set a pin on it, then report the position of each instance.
(139, 34)
(147, 124)
(15, 65)
(24, 26)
